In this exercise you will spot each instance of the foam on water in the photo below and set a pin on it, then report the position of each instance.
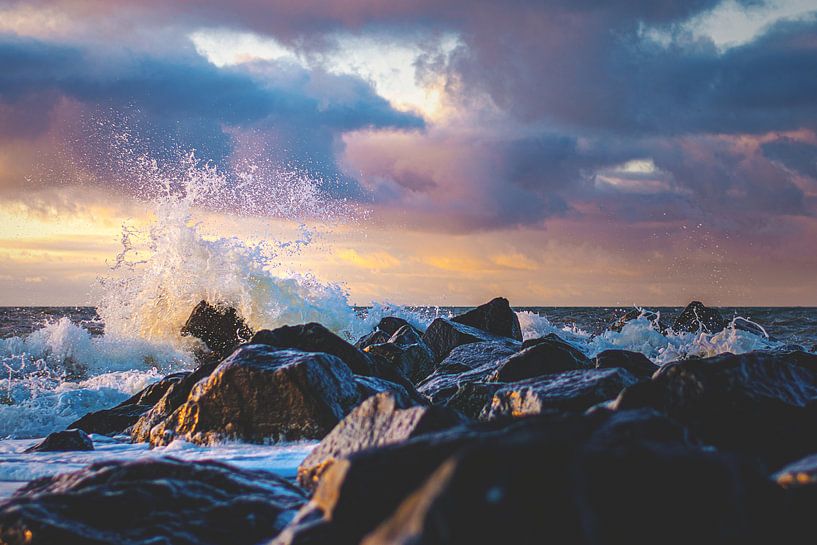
(643, 335)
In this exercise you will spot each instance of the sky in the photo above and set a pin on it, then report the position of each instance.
(443, 152)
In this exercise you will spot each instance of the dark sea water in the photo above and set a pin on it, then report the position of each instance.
(795, 325)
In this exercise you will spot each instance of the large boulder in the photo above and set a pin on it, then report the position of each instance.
(60, 441)
(467, 363)
(380, 420)
(444, 335)
(635, 362)
(219, 326)
(150, 501)
(496, 317)
(384, 330)
(407, 353)
(120, 419)
(544, 356)
(589, 479)
(568, 391)
(697, 316)
(262, 394)
(171, 399)
(314, 337)
(576, 488)
(760, 403)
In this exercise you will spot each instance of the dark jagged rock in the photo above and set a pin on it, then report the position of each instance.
(465, 364)
(150, 501)
(375, 337)
(548, 355)
(472, 397)
(760, 403)
(750, 327)
(110, 421)
(698, 316)
(219, 327)
(261, 394)
(635, 362)
(386, 328)
(577, 492)
(568, 391)
(173, 397)
(590, 479)
(444, 335)
(314, 337)
(496, 317)
(63, 441)
(380, 420)
(407, 353)
(634, 314)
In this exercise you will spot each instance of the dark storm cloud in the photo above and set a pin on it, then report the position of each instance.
(186, 103)
(798, 156)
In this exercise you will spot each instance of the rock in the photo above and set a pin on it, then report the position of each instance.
(634, 314)
(150, 501)
(697, 316)
(568, 391)
(375, 337)
(380, 420)
(406, 352)
(175, 394)
(496, 317)
(759, 403)
(467, 363)
(472, 397)
(115, 421)
(63, 441)
(547, 355)
(219, 327)
(573, 488)
(314, 337)
(443, 335)
(743, 324)
(635, 362)
(261, 394)
(590, 479)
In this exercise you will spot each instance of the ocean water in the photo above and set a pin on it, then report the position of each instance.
(60, 363)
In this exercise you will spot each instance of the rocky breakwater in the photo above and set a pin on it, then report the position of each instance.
(501, 441)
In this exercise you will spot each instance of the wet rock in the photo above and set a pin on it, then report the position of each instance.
(496, 317)
(261, 394)
(545, 356)
(472, 397)
(467, 363)
(115, 421)
(592, 479)
(697, 316)
(571, 487)
(314, 337)
(385, 329)
(174, 395)
(154, 392)
(568, 391)
(759, 403)
(743, 324)
(407, 353)
(219, 327)
(634, 314)
(380, 420)
(64, 441)
(444, 335)
(635, 362)
(150, 501)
